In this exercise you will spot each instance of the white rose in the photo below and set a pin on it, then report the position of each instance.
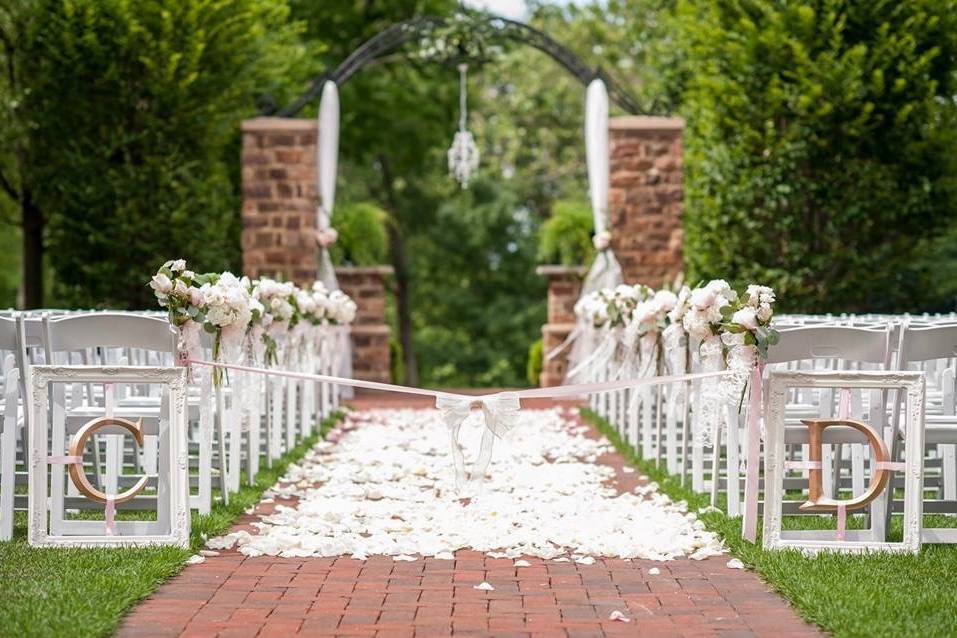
(697, 324)
(178, 265)
(196, 297)
(161, 283)
(702, 298)
(180, 289)
(666, 300)
(745, 317)
(764, 313)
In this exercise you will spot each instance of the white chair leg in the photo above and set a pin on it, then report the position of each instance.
(949, 471)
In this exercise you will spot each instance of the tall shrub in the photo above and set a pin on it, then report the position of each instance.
(134, 109)
(820, 145)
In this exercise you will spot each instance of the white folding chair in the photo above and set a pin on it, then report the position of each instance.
(933, 349)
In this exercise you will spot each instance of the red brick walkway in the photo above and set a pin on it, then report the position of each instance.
(231, 595)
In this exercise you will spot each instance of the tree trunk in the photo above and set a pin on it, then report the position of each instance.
(400, 265)
(403, 307)
(32, 224)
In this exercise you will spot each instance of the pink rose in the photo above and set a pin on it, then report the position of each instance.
(745, 317)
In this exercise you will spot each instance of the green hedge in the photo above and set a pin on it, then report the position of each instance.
(819, 147)
(133, 135)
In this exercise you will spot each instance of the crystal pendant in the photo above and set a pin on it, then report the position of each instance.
(463, 157)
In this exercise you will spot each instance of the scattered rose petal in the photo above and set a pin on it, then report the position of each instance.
(654, 571)
(704, 552)
(404, 558)
(585, 560)
(628, 470)
(617, 616)
(196, 559)
(484, 587)
(522, 563)
(562, 560)
(708, 510)
(735, 563)
(208, 552)
(402, 501)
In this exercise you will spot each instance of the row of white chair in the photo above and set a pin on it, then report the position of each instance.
(231, 426)
(664, 427)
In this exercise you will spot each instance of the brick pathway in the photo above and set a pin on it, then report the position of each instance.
(232, 595)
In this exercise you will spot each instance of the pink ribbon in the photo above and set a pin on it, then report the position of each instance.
(554, 392)
(109, 511)
(749, 526)
(844, 404)
(65, 460)
(109, 514)
(893, 466)
(802, 465)
(108, 399)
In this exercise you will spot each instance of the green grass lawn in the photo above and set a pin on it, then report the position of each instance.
(877, 594)
(85, 592)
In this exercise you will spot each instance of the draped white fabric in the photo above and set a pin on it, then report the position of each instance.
(605, 272)
(327, 161)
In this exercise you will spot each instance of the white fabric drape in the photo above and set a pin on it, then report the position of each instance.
(327, 162)
(605, 272)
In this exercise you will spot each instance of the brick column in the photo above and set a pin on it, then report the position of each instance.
(645, 200)
(564, 287)
(370, 332)
(279, 198)
(279, 217)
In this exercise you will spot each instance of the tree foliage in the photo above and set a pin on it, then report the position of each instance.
(480, 303)
(819, 145)
(565, 237)
(363, 240)
(133, 114)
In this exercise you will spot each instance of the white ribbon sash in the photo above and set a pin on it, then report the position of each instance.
(500, 412)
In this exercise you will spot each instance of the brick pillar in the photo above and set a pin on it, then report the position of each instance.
(645, 200)
(564, 287)
(279, 198)
(370, 332)
(279, 217)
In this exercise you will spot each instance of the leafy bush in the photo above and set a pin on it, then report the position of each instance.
(363, 238)
(134, 112)
(536, 362)
(819, 148)
(565, 237)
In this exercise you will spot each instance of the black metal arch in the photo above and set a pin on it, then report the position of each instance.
(507, 30)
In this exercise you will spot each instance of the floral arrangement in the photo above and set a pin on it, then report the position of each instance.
(235, 309)
(712, 313)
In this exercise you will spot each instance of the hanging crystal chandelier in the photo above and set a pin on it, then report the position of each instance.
(463, 154)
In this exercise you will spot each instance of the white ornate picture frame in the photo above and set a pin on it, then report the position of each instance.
(911, 387)
(47, 473)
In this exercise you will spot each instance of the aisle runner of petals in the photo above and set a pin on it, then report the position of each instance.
(386, 487)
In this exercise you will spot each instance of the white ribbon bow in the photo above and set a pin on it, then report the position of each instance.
(501, 415)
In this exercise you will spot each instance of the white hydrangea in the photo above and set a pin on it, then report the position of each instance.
(761, 299)
(275, 297)
(227, 302)
(340, 307)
